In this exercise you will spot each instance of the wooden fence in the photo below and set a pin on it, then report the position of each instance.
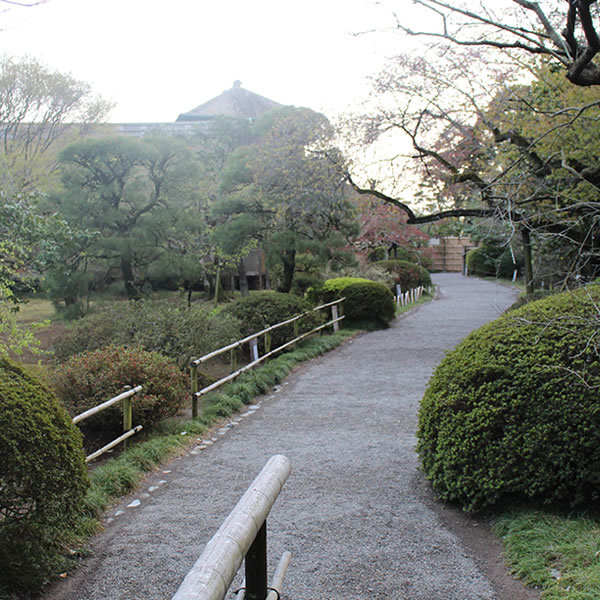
(128, 429)
(255, 359)
(243, 534)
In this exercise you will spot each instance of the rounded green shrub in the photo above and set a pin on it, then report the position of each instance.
(407, 275)
(369, 301)
(43, 479)
(514, 410)
(365, 300)
(331, 289)
(91, 378)
(261, 309)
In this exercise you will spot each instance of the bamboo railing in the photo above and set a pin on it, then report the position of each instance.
(128, 429)
(243, 534)
(255, 358)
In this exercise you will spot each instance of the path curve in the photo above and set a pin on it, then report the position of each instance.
(356, 513)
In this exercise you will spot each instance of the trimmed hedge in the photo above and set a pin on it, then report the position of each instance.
(365, 300)
(261, 309)
(407, 274)
(91, 378)
(43, 479)
(514, 410)
(369, 301)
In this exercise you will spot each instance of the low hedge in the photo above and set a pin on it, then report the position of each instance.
(261, 309)
(173, 330)
(43, 479)
(407, 275)
(514, 410)
(91, 378)
(365, 300)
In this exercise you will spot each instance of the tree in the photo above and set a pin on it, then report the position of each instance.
(131, 193)
(286, 190)
(482, 154)
(40, 111)
(22, 230)
(523, 25)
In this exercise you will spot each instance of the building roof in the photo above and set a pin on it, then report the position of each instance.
(234, 102)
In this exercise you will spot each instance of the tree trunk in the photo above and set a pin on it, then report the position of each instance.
(217, 286)
(243, 277)
(289, 266)
(526, 240)
(128, 277)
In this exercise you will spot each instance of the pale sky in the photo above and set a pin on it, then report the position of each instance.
(158, 58)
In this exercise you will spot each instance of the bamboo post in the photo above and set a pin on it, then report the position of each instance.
(127, 415)
(253, 349)
(296, 332)
(334, 316)
(233, 360)
(268, 339)
(194, 386)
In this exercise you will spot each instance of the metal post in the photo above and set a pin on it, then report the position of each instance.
(256, 566)
(194, 386)
(127, 415)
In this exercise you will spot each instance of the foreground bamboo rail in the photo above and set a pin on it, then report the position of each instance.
(336, 307)
(128, 429)
(242, 534)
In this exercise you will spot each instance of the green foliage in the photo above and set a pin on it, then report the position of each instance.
(43, 479)
(513, 410)
(407, 274)
(369, 301)
(365, 300)
(135, 198)
(491, 260)
(331, 289)
(91, 378)
(262, 309)
(158, 326)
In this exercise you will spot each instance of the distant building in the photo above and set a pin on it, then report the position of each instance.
(234, 102)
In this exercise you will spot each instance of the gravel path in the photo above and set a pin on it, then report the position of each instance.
(356, 514)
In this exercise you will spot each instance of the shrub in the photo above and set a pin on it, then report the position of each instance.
(331, 289)
(369, 301)
(491, 261)
(407, 275)
(43, 479)
(157, 326)
(514, 409)
(365, 300)
(261, 309)
(91, 378)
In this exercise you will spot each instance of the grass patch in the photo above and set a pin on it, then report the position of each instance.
(36, 310)
(559, 553)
